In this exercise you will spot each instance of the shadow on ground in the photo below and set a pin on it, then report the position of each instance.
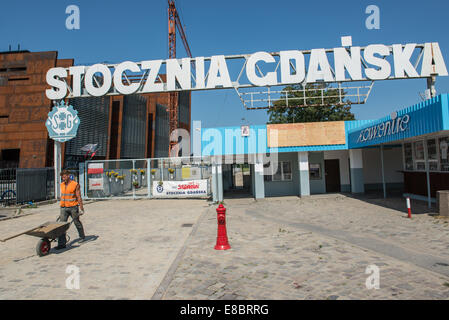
(395, 201)
(75, 244)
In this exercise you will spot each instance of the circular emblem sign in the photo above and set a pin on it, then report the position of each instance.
(62, 123)
(160, 189)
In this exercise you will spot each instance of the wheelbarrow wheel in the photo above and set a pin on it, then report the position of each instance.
(43, 247)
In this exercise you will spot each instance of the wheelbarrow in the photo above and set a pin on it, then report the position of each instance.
(48, 232)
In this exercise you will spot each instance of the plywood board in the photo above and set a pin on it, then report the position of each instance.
(306, 134)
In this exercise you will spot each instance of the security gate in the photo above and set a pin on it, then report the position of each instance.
(186, 177)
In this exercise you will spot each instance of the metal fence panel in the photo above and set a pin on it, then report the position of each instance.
(134, 126)
(34, 184)
(138, 178)
(94, 115)
(8, 188)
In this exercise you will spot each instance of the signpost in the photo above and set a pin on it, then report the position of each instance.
(62, 125)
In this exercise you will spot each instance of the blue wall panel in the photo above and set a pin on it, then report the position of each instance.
(426, 117)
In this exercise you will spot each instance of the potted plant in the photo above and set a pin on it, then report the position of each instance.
(135, 184)
(153, 173)
(121, 178)
(116, 175)
(172, 173)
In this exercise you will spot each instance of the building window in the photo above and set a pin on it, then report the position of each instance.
(315, 171)
(443, 144)
(283, 172)
(420, 163)
(432, 154)
(408, 156)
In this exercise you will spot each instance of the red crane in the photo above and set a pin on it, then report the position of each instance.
(174, 22)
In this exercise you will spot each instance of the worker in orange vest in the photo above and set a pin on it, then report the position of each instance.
(71, 203)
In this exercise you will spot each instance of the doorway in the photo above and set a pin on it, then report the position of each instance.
(237, 180)
(332, 173)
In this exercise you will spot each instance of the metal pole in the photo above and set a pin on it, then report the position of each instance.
(57, 165)
(132, 180)
(383, 170)
(426, 157)
(149, 177)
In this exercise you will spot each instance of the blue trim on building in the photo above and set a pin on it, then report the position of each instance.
(423, 118)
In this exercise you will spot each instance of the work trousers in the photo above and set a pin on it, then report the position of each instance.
(63, 217)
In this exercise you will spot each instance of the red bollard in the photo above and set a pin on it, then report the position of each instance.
(222, 237)
(409, 208)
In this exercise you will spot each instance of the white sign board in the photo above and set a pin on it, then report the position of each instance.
(180, 189)
(96, 184)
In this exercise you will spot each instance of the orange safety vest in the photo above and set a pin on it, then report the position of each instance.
(68, 194)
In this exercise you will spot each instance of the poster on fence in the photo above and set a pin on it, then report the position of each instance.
(182, 189)
(193, 173)
(95, 168)
(96, 184)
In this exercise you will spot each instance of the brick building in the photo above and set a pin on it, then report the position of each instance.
(125, 127)
(24, 108)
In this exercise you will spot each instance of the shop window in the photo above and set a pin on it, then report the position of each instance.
(443, 143)
(408, 156)
(283, 172)
(420, 163)
(287, 171)
(315, 171)
(432, 154)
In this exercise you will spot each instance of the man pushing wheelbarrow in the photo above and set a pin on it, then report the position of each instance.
(71, 204)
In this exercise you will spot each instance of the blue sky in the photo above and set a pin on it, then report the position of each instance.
(135, 30)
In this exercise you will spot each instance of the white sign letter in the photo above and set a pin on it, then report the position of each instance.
(318, 59)
(151, 85)
(351, 63)
(385, 67)
(300, 70)
(199, 73)
(118, 77)
(175, 72)
(269, 79)
(77, 72)
(438, 66)
(102, 89)
(218, 65)
(59, 89)
(402, 63)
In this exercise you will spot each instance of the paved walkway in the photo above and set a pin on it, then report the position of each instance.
(316, 248)
(284, 248)
(132, 245)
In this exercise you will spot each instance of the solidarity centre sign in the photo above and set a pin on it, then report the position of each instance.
(346, 63)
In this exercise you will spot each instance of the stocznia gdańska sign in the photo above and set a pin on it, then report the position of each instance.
(213, 73)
